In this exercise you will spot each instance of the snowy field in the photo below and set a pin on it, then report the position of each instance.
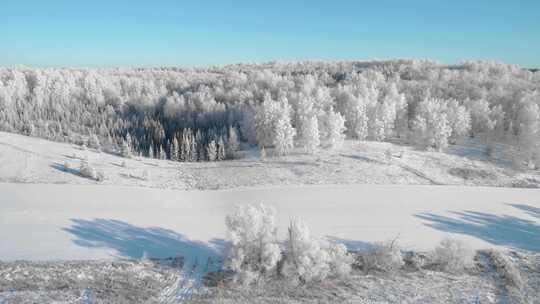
(69, 222)
(33, 160)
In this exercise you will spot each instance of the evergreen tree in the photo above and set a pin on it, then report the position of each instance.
(220, 149)
(232, 143)
(174, 150)
(211, 151)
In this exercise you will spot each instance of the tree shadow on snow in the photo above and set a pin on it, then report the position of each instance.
(134, 242)
(61, 167)
(503, 230)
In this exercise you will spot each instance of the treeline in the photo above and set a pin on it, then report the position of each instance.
(205, 114)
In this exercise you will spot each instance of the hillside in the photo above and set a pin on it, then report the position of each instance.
(32, 160)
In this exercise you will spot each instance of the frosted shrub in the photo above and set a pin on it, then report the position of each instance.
(382, 257)
(254, 250)
(339, 259)
(507, 270)
(90, 172)
(388, 155)
(309, 259)
(453, 255)
(306, 260)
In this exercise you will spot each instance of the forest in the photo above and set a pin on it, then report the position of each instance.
(208, 114)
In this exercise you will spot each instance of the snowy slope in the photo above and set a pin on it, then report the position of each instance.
(50, 222)
(33, 160)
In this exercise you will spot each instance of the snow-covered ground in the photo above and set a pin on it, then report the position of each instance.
(33, 160)
(69, 222)
(355, 196)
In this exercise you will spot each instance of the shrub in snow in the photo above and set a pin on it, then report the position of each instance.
(94, 143)
(340, 260)
(254, 250)
(309, 259)
(90, 172)
(507, 270)
(453, 255)
(306, 260)
(388, 154)
(384, 256)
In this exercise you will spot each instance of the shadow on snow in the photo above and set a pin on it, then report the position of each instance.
(503, 230)
(134, 242)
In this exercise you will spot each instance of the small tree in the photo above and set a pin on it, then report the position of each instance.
(162, 154)
(126, 147)
(220, 149)
(211, 150)
(335, 128)
(311, 139)
(151, 152)
(232, 143)
(175, 149)
(93, 142)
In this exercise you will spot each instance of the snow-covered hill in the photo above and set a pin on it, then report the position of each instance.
(33, 160)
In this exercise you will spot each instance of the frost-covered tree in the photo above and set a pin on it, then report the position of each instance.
(459, 120)
(156, 105)
(284, 135)
(310, 137)
(431, 127)
(211, 151)
(307, 126)
(254, 250)
(334, 129)
(273, 126)
(220, 155)
(162, 154)
(233, 144)
(94, 142)
(151, 152)
(126, 147)
(174, 150)
(480, 116)
(528, 127)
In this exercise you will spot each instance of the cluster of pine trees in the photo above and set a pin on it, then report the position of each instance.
(204, 114)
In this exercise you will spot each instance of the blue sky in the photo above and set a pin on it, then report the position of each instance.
(193, 33)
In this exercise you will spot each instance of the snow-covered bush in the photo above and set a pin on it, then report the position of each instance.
(306, 260)
(310, 259)
(88, 171)
(254, 249)
(453, 255)
(507, 270)
(384, 256)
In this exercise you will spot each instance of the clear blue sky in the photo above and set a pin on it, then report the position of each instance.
(166, 32)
